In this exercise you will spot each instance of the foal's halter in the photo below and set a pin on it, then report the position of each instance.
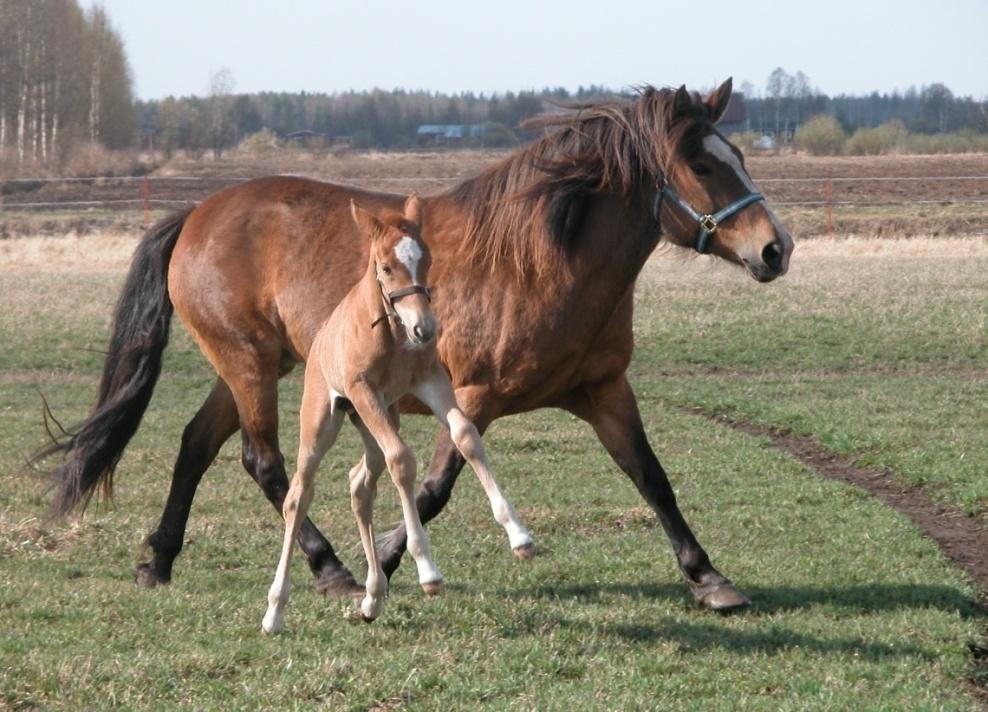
(390, 298)
(708, 222)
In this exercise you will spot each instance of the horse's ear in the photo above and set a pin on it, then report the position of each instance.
(682, 101)
(413, 209)
(368, 223)
(718, 100)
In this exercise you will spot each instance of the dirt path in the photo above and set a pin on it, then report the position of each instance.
(963, 539)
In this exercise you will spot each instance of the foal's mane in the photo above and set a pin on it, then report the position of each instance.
(527, 209)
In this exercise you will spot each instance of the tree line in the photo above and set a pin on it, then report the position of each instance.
(376, 118)
(788, 100)
(64, 79)
(390, 119)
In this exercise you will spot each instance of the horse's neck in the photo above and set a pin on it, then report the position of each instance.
(616, 238)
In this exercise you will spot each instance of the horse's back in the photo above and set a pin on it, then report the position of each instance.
(266, 261)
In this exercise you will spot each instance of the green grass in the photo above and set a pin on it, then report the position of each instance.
(883, 359)
(852, 607)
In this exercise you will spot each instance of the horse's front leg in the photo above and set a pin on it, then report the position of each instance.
(382, 423)
(320, 425)
(612, 410)
(437, 393)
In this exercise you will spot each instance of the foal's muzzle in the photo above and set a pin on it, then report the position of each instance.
(423, 334)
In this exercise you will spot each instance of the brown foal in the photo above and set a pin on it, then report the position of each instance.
(378, 346)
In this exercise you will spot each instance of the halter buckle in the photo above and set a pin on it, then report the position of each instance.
(708, 223)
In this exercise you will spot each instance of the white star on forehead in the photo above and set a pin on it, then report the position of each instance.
(409, 253)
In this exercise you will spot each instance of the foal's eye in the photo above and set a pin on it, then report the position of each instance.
(386, 269)
(700, 169)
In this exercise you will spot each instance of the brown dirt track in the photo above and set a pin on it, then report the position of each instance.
(946, 206)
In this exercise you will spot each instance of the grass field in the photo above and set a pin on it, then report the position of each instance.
(878, 349)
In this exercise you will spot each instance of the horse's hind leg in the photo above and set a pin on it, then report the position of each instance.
(253, 380)
(202, 439)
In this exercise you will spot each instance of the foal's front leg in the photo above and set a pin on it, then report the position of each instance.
(320, 425)
(382, 423)
(437, 393)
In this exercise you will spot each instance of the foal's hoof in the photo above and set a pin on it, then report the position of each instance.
(720, 597)
(145, 577)
(273, 623)
(525, 552)
(433, 588)
(356, 616)
(339, 583)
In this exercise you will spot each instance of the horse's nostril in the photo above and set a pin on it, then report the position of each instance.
(772, 255)
(421, 334)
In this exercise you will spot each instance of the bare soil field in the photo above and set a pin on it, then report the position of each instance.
(916, 195)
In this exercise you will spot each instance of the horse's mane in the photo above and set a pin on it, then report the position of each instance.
(527, 209)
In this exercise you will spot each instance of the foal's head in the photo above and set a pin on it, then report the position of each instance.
(707, 174)
(399, 261)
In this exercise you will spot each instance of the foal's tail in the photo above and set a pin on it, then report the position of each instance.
(91, 450)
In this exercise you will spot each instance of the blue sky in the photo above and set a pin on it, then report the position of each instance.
(445, 45)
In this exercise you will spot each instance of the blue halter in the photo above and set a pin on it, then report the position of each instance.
(707, 222)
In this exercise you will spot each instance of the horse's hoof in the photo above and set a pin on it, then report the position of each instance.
(433, 588)
(720, 597)
(339, 583)
(525, 552)
(145, 577)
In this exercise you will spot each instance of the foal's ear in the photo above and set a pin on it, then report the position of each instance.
(367, 222)
(413, 209)
(718, 100)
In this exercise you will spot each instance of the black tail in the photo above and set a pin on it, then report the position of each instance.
(91, 451)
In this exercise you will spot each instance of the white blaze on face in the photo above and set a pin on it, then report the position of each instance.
(718, 148)
(409, 253)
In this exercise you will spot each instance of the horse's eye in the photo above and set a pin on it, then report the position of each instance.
(700, 169)
(385, 269)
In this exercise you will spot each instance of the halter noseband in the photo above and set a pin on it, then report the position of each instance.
(391, 297)
(708, 222)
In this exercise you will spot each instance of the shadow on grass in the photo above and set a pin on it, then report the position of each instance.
(867, 598)
(762, 637)
(699, 637)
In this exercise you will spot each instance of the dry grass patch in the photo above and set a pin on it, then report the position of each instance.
(101, 252)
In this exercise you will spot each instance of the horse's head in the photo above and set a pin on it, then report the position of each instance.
(399, 261)
(705, 198)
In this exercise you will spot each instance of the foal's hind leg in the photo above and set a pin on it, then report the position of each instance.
(205, 434)
(319, 426)
(363, 491)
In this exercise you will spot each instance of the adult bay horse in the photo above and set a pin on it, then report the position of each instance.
(537, 259)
